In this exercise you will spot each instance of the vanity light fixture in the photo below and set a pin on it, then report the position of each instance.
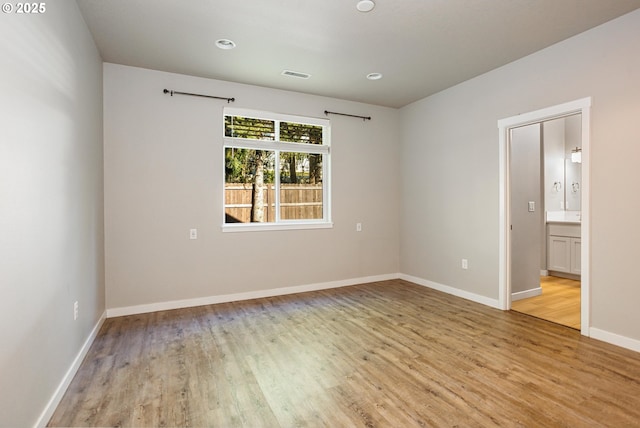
(576, 155)
(225, 44)
(365, 5)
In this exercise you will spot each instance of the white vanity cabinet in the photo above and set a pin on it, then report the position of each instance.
(563, 248)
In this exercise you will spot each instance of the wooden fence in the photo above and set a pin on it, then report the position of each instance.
(297, 201)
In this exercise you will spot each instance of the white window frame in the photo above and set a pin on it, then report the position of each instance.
(277, 147)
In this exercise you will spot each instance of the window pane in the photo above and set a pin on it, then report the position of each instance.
(248, 189)
(300, 133)
(250, 128)
(300, 186)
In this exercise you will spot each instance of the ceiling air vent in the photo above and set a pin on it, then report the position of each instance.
(297, 74)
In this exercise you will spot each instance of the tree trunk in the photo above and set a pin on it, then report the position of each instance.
(257, 195)
(314, 169)
(292, 168)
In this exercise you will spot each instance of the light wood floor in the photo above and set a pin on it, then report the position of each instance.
(559, 302)
(387, 354)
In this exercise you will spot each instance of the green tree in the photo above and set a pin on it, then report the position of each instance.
(305, 134)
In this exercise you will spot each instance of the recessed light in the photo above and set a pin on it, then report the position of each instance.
(374, 76)
(225, 44)
(365, 5)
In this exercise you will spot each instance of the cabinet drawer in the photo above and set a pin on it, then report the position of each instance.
(570, 230)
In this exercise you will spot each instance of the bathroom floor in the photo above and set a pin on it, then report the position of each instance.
(559, 302)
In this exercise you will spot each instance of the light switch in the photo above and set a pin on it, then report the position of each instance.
(532, 206)
(193, 233)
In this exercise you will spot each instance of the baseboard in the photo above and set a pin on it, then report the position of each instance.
(614, 339)
(51, 406)
(564, 275)
(526, 294)
(605, 336)
(494, 303)
(225, 298)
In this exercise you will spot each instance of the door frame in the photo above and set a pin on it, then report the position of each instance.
(582, 106)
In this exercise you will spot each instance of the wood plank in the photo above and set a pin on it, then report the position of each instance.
(383, 354)
(559, 302)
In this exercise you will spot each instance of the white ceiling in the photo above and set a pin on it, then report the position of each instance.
(420, 46)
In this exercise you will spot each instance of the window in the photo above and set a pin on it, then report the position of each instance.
(276, 171)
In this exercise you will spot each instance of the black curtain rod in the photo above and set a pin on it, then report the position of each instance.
(350, 115)
(167, 91)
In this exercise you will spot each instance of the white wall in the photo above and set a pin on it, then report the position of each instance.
(51, 203)
(450, 168)
(163, 176)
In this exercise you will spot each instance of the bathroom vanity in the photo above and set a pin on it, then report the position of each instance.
(563, 243)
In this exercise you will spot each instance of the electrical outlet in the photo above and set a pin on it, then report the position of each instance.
(75, 310)
(193, 233)
(465, 264)
(358, 227)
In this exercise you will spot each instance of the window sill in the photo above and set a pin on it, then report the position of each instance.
(259, 227)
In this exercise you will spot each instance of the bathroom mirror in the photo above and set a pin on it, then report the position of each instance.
(562, 176)
(573, 185)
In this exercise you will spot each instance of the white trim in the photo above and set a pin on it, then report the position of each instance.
(453, 291)
(268, 115)
(225, 298)
(280, 146)
(51, 406)
(256, 227)
(615, 339)
(582, 106)
(544, 114)
(519, 295)
(585, 226)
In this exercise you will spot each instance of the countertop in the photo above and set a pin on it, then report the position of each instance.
(567, 217)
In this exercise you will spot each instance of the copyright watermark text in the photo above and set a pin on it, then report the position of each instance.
(24, 8)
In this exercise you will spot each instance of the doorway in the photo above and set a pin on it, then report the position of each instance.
(535, 207)
(545, 204)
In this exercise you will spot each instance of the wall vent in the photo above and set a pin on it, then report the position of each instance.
(297, 74)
